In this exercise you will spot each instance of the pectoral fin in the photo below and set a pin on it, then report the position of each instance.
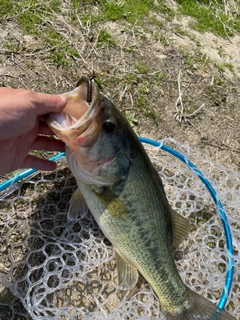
(78, 206)
(127, 274)
(181, 228)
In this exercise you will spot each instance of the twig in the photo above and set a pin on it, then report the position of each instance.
(179, 111)
(225, 7)
(130, 95)
(212, 81)
(198, 131)
(180, 115)
(192, 115)
(16, 77)
(221, 146)
(46, 50)
(122, 94)
(134, 25)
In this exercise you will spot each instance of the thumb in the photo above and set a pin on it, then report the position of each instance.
(46, 103)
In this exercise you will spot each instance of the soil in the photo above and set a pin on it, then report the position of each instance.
(191, 66)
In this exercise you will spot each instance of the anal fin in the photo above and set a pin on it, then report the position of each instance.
(127, 274)
(78, 206)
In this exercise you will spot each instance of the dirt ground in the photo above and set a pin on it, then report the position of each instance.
(177, 89)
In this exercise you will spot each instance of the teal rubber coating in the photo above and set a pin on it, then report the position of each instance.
(26, 173)
(199, 174)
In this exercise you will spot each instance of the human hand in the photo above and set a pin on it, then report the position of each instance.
(22, 130)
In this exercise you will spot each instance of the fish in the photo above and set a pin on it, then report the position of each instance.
(118, 183)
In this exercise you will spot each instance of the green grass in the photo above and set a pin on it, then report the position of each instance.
(140, 67)
(196, 61)
(159, 77)
(111, 10)
(128, 10)
(35, 18)
(210, 16)
(105, 38)
(124, 10)
(32, 14)
(6, 8)
(131, 117)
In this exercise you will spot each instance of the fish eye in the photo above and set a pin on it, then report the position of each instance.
(109, 126)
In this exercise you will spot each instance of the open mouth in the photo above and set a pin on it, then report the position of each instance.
(80, 108)
(77, 122)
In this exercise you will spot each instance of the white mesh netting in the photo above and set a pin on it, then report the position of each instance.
(60, 269)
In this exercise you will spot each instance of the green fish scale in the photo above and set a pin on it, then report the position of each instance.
(141, 232)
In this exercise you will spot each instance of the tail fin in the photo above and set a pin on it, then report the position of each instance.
(201, 309)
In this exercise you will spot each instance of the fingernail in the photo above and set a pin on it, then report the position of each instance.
(63, 98)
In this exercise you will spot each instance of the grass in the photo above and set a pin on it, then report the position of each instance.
(105, 38)
(40, 19)
(126, 11)
(129, 10)
(211, 16)
(140, 67)
(36, 17)
(208, 15)
(196, 61)
(131, 117)
(159, 77)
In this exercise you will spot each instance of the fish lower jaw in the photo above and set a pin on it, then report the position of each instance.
(60, 121)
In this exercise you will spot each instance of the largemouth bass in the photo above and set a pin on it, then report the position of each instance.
(117, 182)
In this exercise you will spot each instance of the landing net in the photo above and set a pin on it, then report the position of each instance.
(53, 268)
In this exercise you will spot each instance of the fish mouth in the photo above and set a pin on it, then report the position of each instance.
(79, 125)
(77, 122)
